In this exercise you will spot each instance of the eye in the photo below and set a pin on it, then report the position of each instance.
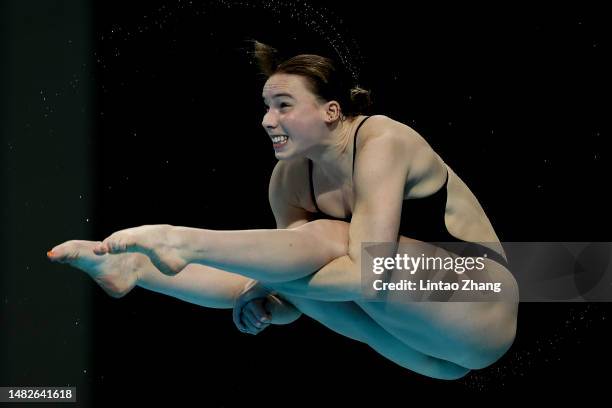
(284, 105)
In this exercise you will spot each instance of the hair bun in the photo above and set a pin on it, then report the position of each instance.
(361, 99)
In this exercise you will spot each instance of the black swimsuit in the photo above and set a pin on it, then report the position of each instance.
(422, 218)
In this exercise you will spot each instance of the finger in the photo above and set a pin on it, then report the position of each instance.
(255, 325)
(236, 316)
(248, 316)
(256, 330)
(243, 322)
(248, 327)
(240, 303)
(273, 304)
(257, 307)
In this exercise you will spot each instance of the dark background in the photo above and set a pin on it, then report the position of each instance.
(122, 114)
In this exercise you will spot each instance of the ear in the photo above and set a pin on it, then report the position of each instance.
(332, 111)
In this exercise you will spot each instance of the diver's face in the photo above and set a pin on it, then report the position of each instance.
(294, 116)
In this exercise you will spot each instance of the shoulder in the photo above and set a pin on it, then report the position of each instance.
(381, 130)
(395, 146)
(382, 136)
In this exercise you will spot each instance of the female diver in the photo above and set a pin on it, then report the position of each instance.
(342, 179)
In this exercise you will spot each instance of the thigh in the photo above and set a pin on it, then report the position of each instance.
(348, 319)
(472, 334)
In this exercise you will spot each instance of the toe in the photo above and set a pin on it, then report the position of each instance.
(58, 253)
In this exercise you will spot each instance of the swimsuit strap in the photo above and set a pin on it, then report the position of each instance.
(355, 141)
(312, 194)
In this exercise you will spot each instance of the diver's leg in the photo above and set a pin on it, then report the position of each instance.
(473, 334)
(198, 284)
(470, 334)
(348, 319)
(117, 274)
(272, 255)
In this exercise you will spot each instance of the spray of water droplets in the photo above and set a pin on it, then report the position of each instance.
(318, 20)
(546, 351)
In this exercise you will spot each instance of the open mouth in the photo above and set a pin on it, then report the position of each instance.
(278, 141)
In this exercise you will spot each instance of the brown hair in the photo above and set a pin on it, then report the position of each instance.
(323, 77)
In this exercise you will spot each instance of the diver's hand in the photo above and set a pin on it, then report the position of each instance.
(255, 317)
(159, 242)
(250, 314)
(256, 307)
(116, 274)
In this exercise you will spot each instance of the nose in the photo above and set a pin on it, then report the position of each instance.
(269, 121)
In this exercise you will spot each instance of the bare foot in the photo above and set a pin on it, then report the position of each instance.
(158, 242)
(117, 274)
